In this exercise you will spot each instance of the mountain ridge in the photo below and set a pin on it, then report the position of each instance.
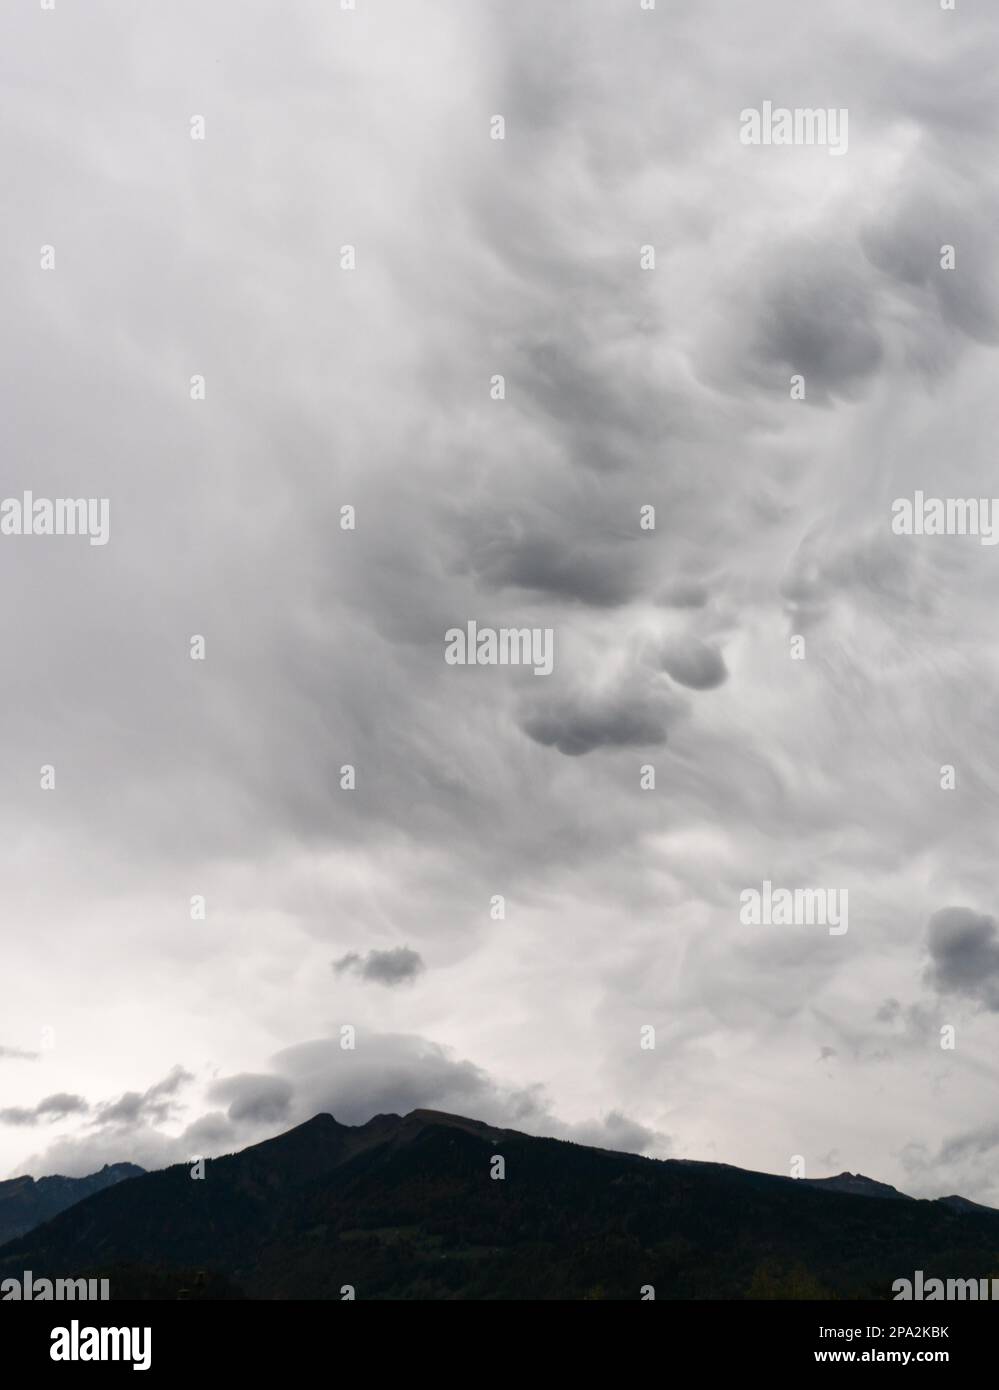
(26, 1202)
(416, 1207)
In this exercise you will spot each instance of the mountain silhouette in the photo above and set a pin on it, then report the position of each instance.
(408, 1207)
(27, 1202)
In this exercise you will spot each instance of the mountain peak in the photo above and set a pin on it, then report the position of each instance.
(323, 1120)
(962, 1204)
(857, 1185)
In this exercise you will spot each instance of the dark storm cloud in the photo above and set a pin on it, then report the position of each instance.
(693, 663)
(52, 1108)
(964, 955)
(391, 967)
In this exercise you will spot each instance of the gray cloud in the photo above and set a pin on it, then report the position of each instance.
(391, 967)
(52, 1108)
(256, 1098)
(615, 1131)
(157, 1105)
(962, 1163)
(964, 955)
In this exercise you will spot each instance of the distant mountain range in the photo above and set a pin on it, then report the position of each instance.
(27, 1202)
(408, 1208)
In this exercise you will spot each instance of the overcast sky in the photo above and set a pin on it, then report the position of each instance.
(129, 1031)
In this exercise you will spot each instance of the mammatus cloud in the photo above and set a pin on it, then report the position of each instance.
(693, 663)
(599, 575)
(626, 716)
(392, 967)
